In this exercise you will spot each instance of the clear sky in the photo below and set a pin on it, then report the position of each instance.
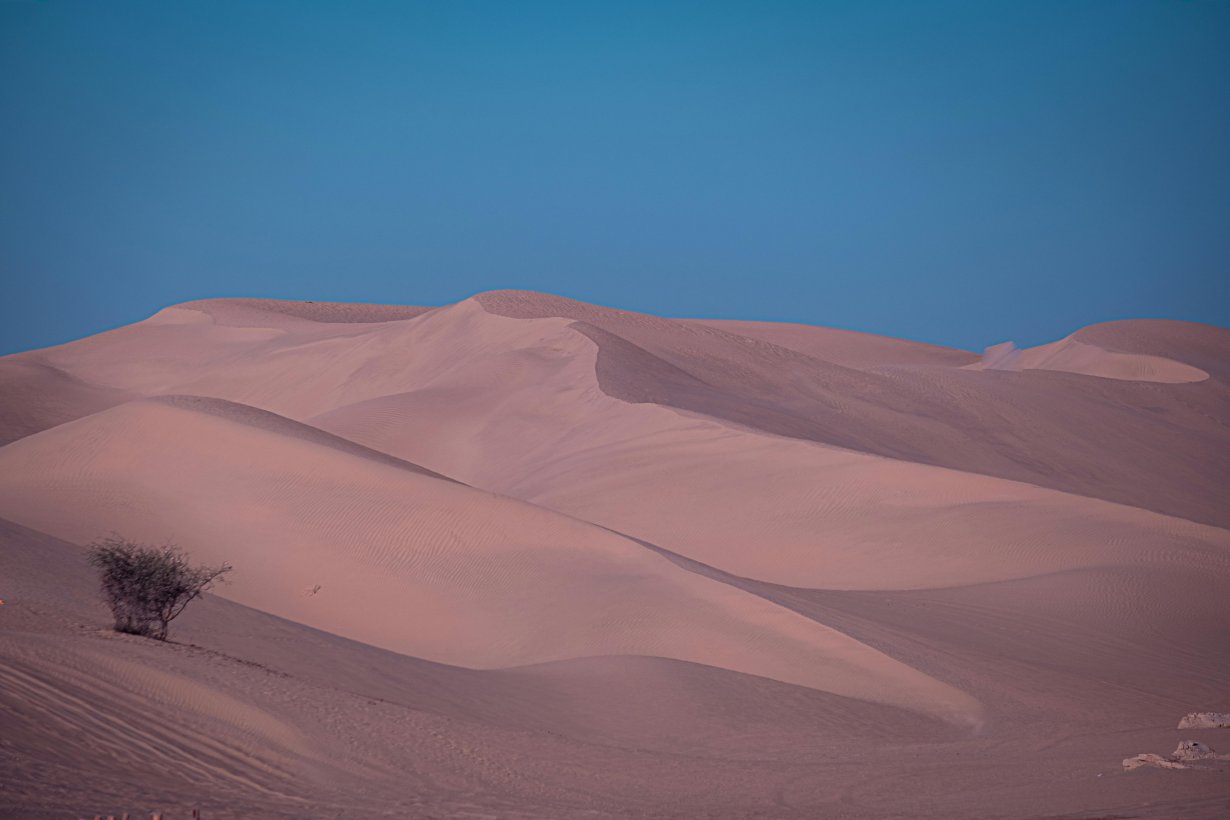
(957, 172)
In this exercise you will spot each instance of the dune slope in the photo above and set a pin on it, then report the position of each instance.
(380, 551)
(246, 714)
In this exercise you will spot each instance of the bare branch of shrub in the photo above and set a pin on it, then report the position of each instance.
(147, 587)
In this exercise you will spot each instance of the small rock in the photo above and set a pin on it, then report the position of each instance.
(1150, 760)
(1192, 750)
(1205, 720)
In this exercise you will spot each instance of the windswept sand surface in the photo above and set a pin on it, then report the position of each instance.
(525, 556)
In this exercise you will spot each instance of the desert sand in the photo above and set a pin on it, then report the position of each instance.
(521, 556)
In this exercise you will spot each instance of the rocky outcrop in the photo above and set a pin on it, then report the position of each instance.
(1205, 720)
(1194, 750)
(1188, 753)
(1151, 760)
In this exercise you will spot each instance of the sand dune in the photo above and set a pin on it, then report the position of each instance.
(38, 396)
(338, 728)
(411, 562)
(1203, 346)
(1053, 429)
(1071, 356)
(525, 556)
(816, 515)
(1033, 427)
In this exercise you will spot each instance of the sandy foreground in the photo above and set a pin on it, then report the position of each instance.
(522, 556)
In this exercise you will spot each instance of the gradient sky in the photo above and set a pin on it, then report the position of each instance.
(956, 172)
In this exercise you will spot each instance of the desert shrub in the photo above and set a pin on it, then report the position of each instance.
(147, 587)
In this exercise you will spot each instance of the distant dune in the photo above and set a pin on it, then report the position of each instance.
(526, 556)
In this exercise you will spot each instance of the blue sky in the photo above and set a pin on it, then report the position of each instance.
(956, 172)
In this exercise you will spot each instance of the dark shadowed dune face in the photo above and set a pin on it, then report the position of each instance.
(1035, 426)
(522, 556)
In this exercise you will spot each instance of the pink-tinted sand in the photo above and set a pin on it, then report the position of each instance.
(523, 556)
